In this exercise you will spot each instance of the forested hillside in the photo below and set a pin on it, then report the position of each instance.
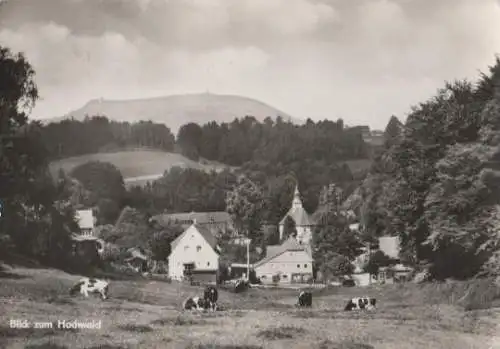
(437, 183)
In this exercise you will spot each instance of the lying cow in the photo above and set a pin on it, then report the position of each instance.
(194, 303)
(89, 285)
(210, 297)
(363, 303)
(304, 299)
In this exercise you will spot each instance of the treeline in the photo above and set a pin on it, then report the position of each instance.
(272, 142)
(437, 183)
(241, 141)
(96, 134)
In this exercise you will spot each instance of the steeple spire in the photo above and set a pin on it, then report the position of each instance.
(297, 202)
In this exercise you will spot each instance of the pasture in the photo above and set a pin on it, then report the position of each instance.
(137, 166)
(146, 314)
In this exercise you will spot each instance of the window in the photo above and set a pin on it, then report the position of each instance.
(305, 265)
(198, 248)
(298, 265)
(212, 220)
(285, 276)
(208, 264)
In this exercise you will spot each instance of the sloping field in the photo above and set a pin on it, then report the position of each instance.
(146, 314)
(137, 166)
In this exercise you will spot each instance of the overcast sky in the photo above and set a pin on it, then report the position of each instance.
(361, 60)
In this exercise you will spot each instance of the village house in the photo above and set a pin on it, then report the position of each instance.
(304, 223)
(217, 222)
(195, 254)
(290, 262)
(86, 239)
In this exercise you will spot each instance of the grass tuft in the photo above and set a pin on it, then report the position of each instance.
(136, 328)
(282, 332)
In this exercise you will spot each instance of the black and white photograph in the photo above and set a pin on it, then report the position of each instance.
(249, 174)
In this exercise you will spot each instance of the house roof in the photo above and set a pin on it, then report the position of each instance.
(297, 212)
(207, 235)
(198, 217)
(136, 253)
(274, 251)
(389, 245)
(85, 219)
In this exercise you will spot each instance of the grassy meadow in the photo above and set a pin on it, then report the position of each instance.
(146, 314)
(137, 166)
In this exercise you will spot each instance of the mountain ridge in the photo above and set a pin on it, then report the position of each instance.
(179, 109)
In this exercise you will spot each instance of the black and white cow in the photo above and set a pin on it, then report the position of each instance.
(362, 303)
(194, 303)
(210, 297)
(304, 299)
(90, 285)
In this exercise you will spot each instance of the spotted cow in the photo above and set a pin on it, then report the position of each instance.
(194, 303)
(362, 303)
(90, 285)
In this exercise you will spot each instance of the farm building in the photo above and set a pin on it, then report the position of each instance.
(291, 262)
(304, 223)
(194, 253)
(86, 241)
(216, 222)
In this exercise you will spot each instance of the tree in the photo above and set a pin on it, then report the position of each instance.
(35, 217)
(160, 242)
(335, 265)
(377, 260)
(244, 204)
(189, 139)
(104, 185)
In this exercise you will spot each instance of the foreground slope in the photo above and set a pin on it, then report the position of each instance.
(146, 314)
(136, 166)
(177, 110)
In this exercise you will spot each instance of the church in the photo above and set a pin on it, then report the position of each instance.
(303, 221)
(290, 262)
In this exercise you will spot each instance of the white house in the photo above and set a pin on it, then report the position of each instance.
(304, 223)
(86, 222)
(194, 250)
(292, 261)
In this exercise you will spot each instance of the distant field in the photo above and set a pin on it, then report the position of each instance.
(137, 166)
(146, 314)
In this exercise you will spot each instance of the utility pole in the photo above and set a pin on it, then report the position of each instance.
(248, 259)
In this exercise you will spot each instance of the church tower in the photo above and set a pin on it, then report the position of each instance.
(303, 222)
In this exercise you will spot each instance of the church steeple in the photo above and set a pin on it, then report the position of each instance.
(297, 202)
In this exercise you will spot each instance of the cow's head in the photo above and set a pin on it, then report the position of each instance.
(76, 288)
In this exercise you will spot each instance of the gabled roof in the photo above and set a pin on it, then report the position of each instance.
(389, 245)
(85, 219)
(274, 251)
(199, 217)
(299, 216)
(207, 235)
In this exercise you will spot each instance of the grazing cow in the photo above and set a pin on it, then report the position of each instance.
(194, 303)
(363, 303)
(240, 286)
(210, 297)
(90, 285)
(304, 299)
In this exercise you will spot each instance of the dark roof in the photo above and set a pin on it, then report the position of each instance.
(275, 250)
(199, 217)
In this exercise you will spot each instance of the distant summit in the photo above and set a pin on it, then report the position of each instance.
(177, 110)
